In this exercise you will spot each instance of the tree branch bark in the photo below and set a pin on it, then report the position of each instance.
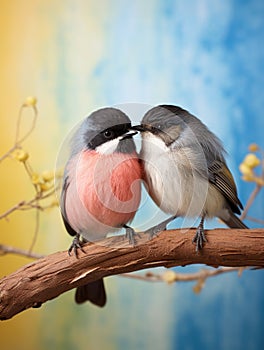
(47, 278)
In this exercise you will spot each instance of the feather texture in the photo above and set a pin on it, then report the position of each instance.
(103, 192)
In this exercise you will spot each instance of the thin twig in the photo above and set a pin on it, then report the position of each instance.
(34, 239)
(149, 276)
(30, 204)
(12, 209)
(6, 249)
(250, 201)
(18, 140)
(182, 277)
(258, 221)
(35, 116)
(8, 153)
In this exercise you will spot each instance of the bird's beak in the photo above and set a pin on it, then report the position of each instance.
(129, 134)
(138, 128)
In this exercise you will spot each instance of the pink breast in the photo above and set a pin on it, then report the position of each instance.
(103, 188)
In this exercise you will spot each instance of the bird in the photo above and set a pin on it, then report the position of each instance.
(185, 171)
(101, 187)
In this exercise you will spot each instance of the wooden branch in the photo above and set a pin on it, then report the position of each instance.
(47, 278)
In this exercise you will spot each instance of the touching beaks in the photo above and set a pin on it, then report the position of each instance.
(138, 128)
(129, 134)
(133, 130)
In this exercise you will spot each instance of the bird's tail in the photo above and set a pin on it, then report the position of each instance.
(93, 292)
(231, 220)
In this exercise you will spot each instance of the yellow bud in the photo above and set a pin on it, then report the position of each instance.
(36, 179)
(54, 202)
(197, 288)
(30, 101)
(259, 181)
(20, 155)
(169, 276)
(248, 178)
(251, 160)
(245, 169)
(45, 186)
(47, 175)
(253, 147)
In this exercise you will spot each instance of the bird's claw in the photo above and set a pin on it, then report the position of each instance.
(130, 235)
(76, 244)
(155, 230)
(199, 238)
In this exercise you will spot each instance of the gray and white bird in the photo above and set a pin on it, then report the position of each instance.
(185, 171)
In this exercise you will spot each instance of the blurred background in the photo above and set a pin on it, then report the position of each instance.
(76, 56)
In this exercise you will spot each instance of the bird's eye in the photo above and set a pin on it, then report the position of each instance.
(108, 134)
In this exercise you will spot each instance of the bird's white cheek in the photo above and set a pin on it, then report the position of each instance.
(152, 145)
(108, 147)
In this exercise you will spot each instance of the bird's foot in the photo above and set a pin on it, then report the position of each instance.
(155, 230)
(76, 244)
(130, 235)
(199, 238)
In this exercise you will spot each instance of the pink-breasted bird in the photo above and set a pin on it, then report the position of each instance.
(101, 191)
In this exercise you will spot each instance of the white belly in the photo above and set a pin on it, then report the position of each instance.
(174, 185)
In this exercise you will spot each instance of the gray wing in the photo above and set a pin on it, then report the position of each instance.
(221, 177)
(68, 227)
